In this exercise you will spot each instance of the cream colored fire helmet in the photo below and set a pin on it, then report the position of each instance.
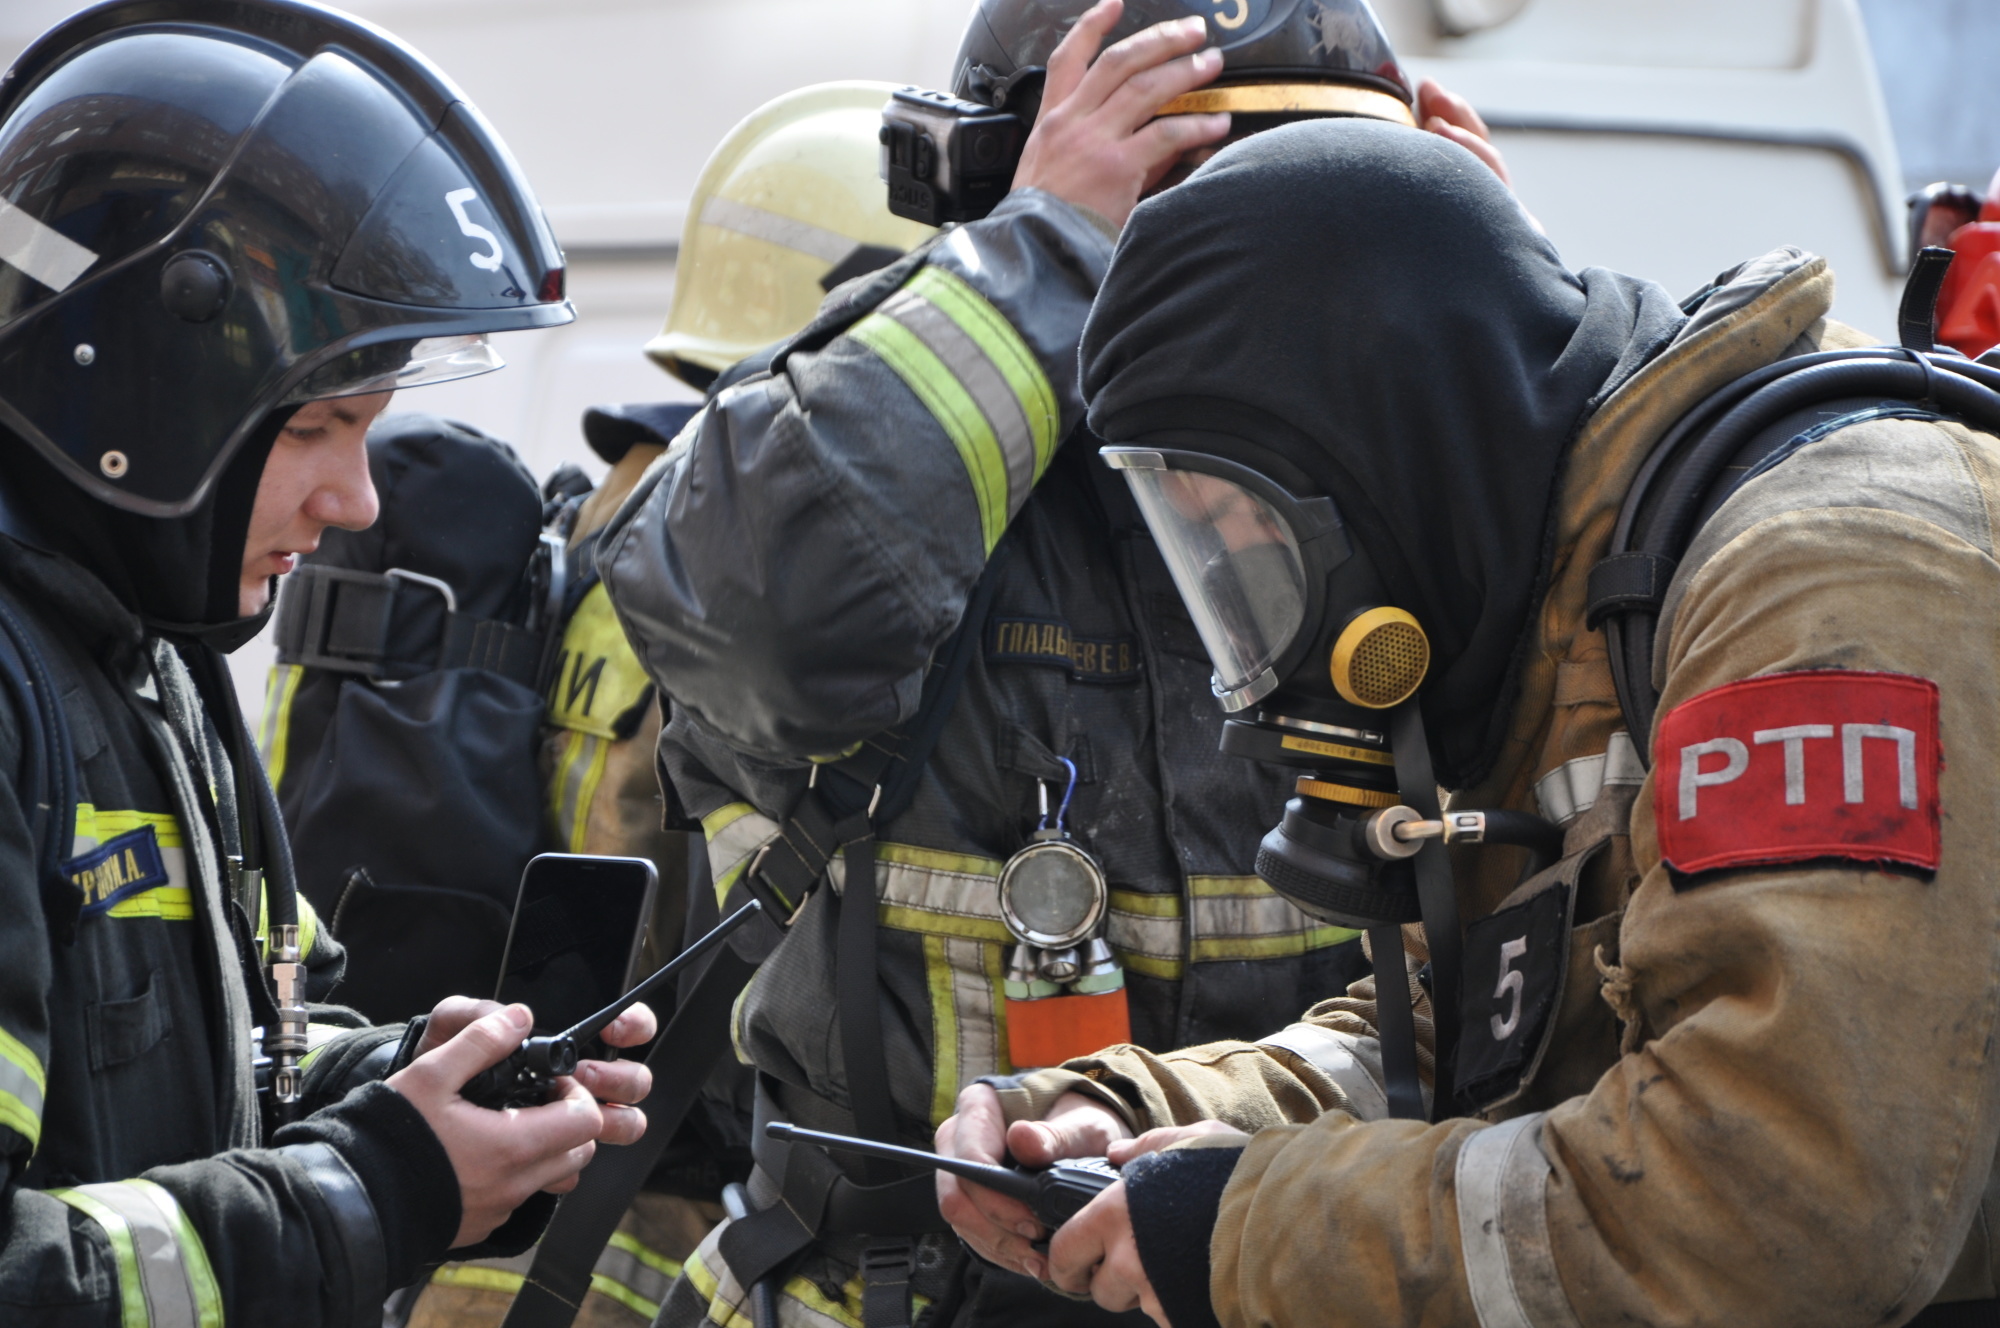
(791, 204)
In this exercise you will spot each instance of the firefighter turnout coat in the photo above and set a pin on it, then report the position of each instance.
(1760, 1085)
(788, 572)
(138, 1189)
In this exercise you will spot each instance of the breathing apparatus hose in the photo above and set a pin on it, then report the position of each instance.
(1660, 510)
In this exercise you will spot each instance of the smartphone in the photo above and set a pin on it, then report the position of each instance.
(574, 942)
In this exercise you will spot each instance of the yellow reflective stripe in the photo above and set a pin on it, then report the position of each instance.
(934, 893)
(164, 1276)
(479, 1279)
(170, 903)
(1145, 905)
(723, 817)
(318, 1038)
(308, 925)
(638, 1249)
(23, 1086)
(94, 825)
(1005, 348)
(708, 1286)
(847, 1310)
(579, 770)
(1211, 887)
(624, 1295)
(734, 832)
(1211, 948)
(954, 410)
(909, 855)
(598, 678)
(925, 922)
(274, 730)
(132, 1311)
(944, 1028)
(1152, 966)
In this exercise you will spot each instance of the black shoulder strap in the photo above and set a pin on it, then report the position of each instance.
(1738, 433)
(879, 781)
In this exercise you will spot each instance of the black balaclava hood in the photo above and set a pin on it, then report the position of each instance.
(181, 575)
(1364, 310)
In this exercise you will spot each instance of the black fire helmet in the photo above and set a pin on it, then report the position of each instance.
(1280, 57)
(213, 210)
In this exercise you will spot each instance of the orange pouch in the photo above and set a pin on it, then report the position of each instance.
(1056, 1028)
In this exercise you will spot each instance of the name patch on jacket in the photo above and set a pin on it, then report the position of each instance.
(117, 869)
(1797, 766)
(1044, 641)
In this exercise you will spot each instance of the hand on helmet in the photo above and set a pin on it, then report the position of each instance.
(1096, 142)
(1448, 115)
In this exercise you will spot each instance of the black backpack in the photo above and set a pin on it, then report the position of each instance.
(402, 718)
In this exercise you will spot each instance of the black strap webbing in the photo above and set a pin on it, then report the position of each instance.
(1396, 1024)
(1625, 581)
(859, 997)
(1436, 895)
(339, 619)
(1916, 314)
(883, 773)
(682, 1056)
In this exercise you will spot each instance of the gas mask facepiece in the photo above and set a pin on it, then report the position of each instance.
(1317, 671)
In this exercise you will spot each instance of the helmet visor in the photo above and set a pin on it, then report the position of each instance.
(393, 365)
(1237, 564)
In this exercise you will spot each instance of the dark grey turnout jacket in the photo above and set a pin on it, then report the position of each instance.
(135, 1187)
(789, 569)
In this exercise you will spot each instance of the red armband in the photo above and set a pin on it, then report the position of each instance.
(1796, 766)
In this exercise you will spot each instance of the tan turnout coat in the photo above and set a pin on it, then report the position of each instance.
(1768, 1099)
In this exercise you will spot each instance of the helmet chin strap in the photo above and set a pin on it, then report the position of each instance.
(1437, 897)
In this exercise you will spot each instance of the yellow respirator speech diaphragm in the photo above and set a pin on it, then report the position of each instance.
(1380, 658)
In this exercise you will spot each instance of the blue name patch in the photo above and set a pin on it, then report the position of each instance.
(117, 869)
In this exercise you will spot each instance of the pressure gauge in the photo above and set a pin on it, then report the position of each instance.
(1052, 893)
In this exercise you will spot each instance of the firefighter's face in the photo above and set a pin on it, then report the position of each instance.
(317, 477)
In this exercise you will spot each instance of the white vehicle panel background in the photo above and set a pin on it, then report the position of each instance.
(1666, 140)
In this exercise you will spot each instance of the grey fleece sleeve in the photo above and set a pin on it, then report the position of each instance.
(788, 568)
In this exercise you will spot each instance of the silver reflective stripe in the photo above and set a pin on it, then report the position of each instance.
(1572, 788)
(175, 1281)
(1352, 1063)
(979, 1044)
(1503, 1228)
(42, 252)
(982, 381)
(774, 228)
(631, 1272)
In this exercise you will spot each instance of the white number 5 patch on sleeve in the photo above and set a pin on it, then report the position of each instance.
(1796, 766)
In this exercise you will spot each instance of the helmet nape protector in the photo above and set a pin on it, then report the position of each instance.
(211, 209)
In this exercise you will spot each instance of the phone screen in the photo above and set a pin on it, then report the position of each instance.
(577, 926)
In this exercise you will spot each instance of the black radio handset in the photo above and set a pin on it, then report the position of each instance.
(523, 1079)
(1054, 1195)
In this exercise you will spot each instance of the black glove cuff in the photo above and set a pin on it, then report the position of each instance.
(1173, 1198)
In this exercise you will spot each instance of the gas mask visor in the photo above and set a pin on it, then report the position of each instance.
(1249, 558)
